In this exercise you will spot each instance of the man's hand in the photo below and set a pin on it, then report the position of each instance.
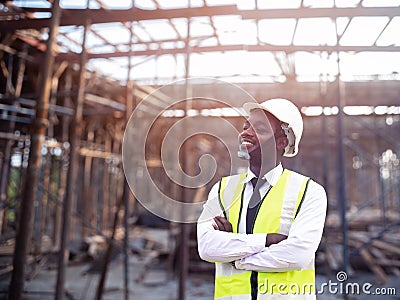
(274, 238)
(222, 224)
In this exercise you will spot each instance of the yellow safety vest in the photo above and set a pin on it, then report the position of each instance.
(275, 215)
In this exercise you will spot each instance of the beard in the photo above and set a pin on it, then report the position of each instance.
(264, 156)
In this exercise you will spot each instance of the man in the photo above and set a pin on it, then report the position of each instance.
(262, 228)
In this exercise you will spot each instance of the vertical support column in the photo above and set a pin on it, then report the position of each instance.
(67, 102)
(98, 165)
(325, 149)
(54, 181)
(46, 190)
(384, 188)
(119, 204)
(88, 197)
(107, 211)
(324, 132)
(107, 256)
(184, 250)
(383, 193)
(38, 214)
(341, 175)
(30, 191)
(63, 163)
(126, 194)
(71, 192)
(341, 180)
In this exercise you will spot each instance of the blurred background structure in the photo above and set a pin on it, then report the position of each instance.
(73, 71)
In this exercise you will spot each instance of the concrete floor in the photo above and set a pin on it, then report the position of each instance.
(155, 284)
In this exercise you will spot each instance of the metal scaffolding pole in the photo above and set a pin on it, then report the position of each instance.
(126, 194)
(341, 180)
(341, 174)
(184, 250)
(30, 190)
(72, 177)
(126, 239)
(324, 132)
(107, 257)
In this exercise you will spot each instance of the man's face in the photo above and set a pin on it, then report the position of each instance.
(257, 136)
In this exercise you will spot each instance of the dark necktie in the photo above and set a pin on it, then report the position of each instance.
(254, 203)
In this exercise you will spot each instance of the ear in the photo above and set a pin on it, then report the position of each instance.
(281, 142)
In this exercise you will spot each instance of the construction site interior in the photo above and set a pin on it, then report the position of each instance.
(73, 73)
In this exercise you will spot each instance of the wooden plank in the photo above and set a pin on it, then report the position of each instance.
(7, 250)
(361, 237)
(384, 261)
(371, 263)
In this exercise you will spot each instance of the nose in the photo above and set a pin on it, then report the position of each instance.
(247, 132)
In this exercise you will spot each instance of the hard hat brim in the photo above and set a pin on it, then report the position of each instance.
(249, 106)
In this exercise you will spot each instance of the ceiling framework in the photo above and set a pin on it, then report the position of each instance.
(145, 35)
(161, 31)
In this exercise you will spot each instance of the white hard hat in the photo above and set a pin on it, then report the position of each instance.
(286, 112)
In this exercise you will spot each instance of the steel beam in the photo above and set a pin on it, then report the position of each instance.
(299, 13)
(17, 109)
(31, 112)
(104, 101)
(272, 48)
(73, 17)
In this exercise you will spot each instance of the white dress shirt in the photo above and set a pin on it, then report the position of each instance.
(248, 250)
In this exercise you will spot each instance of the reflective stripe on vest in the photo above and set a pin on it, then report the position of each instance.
(275, 215)
(231, 191)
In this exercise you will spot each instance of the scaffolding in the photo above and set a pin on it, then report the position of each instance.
(62, 125)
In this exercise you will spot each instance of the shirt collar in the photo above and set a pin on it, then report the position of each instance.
(271, 176)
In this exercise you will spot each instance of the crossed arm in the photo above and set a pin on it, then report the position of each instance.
(223, 224)
(264, 252)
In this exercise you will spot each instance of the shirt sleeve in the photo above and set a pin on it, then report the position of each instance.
(221, 246)
(297, 252)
